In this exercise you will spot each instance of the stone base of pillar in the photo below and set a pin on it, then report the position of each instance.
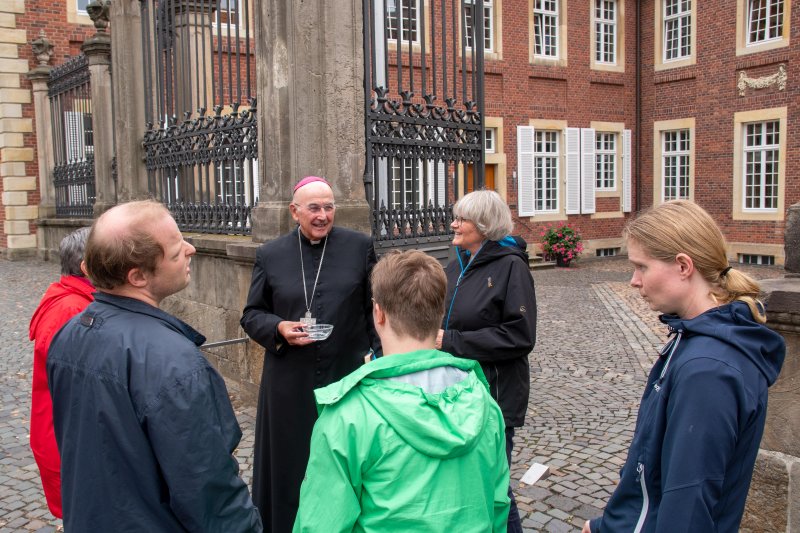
(772, 504)
(272, 219)
(47, 211)
(101, 207)
(52, 230)
(18, 254)
(354, 215)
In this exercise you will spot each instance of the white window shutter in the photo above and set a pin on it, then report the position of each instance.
(573, 173)
(74, 136)
(437, 175)
(587, 170)
(626, 171)
(383, 182)
(525, 178)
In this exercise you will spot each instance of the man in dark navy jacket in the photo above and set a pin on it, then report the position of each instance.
(143, 422)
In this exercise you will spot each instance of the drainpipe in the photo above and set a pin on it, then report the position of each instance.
(638, 165)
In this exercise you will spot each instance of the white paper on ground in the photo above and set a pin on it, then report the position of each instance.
(536, 472)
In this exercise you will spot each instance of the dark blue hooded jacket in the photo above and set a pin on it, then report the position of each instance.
(144, 425)
(699, 427)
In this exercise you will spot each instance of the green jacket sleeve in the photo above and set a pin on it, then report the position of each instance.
(331, 490)
(502, 503)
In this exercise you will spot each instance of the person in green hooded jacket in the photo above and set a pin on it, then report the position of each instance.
(412, 441)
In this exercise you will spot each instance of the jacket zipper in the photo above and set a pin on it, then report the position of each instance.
(645, 499)
(497, 383)
(672, 345)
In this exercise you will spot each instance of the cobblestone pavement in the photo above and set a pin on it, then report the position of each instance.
(596, 342)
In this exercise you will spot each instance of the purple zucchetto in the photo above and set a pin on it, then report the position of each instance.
(310, 179)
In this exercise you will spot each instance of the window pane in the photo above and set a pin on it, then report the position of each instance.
(765, 20)
(677, 29)
(761, 165)
(402, 15)
(546, 171)
(545, 28)
(676, 161)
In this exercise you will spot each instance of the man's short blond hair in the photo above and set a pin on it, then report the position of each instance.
(410, 287)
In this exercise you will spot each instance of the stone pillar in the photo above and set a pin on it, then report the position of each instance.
(97, 50)
(773, 504)
(193, 32)
(310, 73)
(43, 51)
(18, 239)
(128, 93)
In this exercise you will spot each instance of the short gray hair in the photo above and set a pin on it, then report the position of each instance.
(488, 211)
(71, 251)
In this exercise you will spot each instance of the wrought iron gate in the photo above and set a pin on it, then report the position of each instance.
(201, 139)
(424, 114)
(69, 90)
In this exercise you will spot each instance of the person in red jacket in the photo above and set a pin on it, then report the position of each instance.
(62, 300)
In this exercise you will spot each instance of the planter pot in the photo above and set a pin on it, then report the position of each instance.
(562, 261)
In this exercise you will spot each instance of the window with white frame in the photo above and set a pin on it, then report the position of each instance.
(675, 164)
(402, 20)
(78, 136)
(81, 5)
(401, 174)
(545, 171)
(488, 23)
(605, 161)
(764, 20)
(237, 182)
(677, 29)
(490, 140)
(545, 28)
(227, 13)
(605, 29)
(761, 155)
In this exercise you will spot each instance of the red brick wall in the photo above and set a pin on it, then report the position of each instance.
(574, 93)
(50, 16)
(707, 91)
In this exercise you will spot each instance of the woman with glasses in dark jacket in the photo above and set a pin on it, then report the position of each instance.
(490, 311)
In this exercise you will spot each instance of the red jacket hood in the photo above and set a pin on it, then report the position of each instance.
(66, 286)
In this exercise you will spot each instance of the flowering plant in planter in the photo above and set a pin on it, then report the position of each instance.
(561, 242)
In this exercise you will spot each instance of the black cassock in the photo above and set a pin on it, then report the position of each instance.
(286, 407)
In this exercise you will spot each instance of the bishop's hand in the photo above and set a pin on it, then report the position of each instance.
(293, 333)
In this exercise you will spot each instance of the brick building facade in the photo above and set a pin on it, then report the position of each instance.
(594, 109)
(21, 21)
(706, 75)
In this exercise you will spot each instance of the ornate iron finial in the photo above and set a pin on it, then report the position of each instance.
(42, 49)
(98, 11)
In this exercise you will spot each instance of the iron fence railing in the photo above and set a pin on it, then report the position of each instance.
(201, 140)
(423, 114)
(69, 90)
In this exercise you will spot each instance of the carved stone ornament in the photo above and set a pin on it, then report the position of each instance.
(42, 49)
(98, 11)
(779, 79)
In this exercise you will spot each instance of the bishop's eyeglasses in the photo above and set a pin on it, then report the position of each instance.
(317, 209)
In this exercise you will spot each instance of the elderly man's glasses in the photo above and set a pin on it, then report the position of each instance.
(317, 209)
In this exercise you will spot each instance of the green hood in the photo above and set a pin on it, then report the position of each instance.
(435, 424)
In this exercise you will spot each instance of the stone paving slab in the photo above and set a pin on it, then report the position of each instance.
(595, 343)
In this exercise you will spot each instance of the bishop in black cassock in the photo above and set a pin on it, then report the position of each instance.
(336, 263)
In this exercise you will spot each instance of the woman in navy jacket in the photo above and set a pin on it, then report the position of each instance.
(490, 311)
(703, 410)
